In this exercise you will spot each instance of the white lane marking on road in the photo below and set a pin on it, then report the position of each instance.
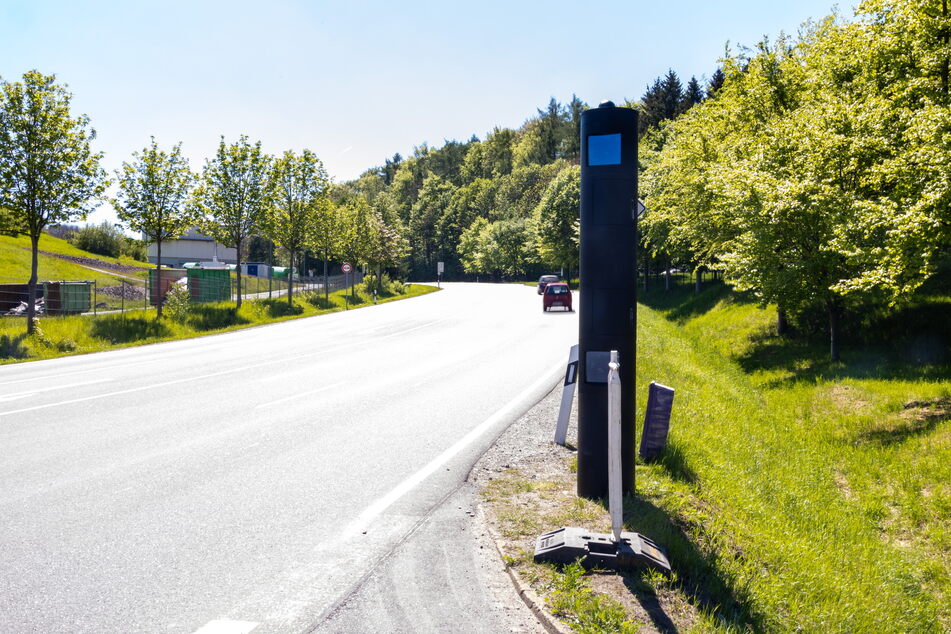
(17, 395)
(210, 374)
(370, 513)
(226, 626)
(204, 376)
(301, 395)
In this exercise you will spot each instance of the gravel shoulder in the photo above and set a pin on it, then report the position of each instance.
(527, 486)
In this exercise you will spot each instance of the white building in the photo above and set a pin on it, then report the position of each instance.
(192, 247)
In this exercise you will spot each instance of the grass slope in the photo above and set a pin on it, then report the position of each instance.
(797, 493)
(15, 261)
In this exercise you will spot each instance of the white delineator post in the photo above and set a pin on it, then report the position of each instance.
(615, 501)
(567, 396)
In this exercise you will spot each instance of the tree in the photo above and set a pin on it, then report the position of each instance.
(663, 100)
(385, 247)
(152, 197)
(300, 185)
(471, 247)
(556, 220)
(433, 199)
(356, 236)
(715, 83)
(693, 94)
(48, 171)
(508, 247)
(233, 194)
(325, 238)
(471, 201)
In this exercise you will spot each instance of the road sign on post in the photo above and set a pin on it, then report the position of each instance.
(608, 287)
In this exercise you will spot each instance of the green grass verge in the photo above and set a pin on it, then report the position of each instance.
(60, 336)
(796, 494)
(814, 495)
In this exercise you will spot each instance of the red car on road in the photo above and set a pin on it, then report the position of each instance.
(556, 294)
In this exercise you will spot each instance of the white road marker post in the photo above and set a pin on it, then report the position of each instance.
(615, 499)
(567, 397)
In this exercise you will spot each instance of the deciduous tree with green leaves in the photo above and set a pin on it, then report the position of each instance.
(300, 185)
(152, 197)
(556, 220)
(48, 171)
(233, 195)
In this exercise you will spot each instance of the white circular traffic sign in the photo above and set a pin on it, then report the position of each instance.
(346, 268)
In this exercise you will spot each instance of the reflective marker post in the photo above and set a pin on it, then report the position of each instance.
(615, 497)
(619, 549)
(608, 287)
(567, 396)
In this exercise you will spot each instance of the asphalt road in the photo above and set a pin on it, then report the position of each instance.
(253, 481)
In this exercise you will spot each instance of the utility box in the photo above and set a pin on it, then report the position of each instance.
(255, 269)
(209, 285)
(607, 319)
(160, 285)
(67, 298)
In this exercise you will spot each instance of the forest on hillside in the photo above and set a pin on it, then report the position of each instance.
(506, 206)
(812, 170)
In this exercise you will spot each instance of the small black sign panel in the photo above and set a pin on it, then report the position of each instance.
(596, 366)
(660, 402)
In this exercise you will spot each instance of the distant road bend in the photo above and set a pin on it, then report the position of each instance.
(248, 481)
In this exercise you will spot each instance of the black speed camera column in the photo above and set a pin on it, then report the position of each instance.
(608, 286)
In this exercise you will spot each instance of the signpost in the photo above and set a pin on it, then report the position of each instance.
(440, 267)
(346, 268)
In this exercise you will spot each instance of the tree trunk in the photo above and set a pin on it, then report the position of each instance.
(238, 249)
(326, 281)
(667, 276)
(834, 318)
(782, 322)
(31, 285)
(290, 281)
(647, 276)
(158, 281)
(696, 288)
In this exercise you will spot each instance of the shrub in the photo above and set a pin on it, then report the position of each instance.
(134, 248)
(102, 239)
(385, 287)
(175, 306)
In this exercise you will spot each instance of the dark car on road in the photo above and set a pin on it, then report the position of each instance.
(544, 281)
(556, 294)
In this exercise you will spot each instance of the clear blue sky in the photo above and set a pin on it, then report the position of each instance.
(358, 81)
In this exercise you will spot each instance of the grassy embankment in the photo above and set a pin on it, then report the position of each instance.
(796, 494)
(78, 334)
(15, 266)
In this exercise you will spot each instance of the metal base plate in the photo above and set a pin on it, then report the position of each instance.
(599, 550)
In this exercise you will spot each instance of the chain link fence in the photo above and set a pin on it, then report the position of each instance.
(89, 297)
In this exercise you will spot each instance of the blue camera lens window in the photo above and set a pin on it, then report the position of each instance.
(604, 149)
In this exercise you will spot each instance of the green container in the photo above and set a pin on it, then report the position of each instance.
(67, 298)
(209, 285)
